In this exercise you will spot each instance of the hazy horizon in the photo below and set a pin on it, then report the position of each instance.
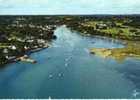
(68, 7)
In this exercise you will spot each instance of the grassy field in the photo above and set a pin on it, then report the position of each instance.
(117, 30)
(132, 49)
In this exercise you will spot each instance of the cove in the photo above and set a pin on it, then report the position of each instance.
(68, 70)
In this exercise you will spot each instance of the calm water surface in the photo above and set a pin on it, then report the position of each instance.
(68, 70)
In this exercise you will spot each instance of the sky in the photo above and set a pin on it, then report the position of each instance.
(53, 7)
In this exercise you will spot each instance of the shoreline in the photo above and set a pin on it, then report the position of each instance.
(83, 31)
(24, 35)
(26, 56)
(28, 53)
(119, 54)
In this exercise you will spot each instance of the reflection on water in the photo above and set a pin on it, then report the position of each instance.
(131, 70)
(68, 70)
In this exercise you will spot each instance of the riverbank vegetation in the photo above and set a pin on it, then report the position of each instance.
(20, 35)
(119, 54)
(119, 27)
(125, 28)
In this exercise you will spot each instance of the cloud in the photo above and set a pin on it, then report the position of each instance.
(23, 3)
(69, 6)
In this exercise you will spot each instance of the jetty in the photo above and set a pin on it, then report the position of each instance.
(26, 58)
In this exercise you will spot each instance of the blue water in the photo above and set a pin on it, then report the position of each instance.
(68, 70)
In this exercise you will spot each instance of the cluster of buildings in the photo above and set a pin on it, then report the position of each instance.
(29, 40)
